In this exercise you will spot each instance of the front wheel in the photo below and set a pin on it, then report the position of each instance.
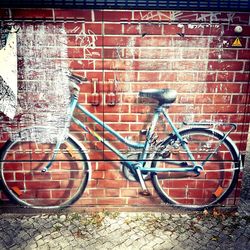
(24, 182)
(215, 182)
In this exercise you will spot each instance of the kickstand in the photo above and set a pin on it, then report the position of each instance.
(144, 190)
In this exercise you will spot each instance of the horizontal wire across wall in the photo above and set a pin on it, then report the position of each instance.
(219, 5)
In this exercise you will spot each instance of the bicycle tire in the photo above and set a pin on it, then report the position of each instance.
(213, 185)
(62, 185)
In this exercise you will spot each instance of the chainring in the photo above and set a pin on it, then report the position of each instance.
(127, 172)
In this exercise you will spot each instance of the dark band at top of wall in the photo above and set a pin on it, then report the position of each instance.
(214, 5)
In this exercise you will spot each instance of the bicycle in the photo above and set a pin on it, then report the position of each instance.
(194, 167)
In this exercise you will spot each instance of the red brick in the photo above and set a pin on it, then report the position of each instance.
(225, 77)
(98, 74)
(149, 41)
(244, 108)
(111, 183)
(177, 193)
(245, 88)
(129, 192)
(98, 174)
(32, 13)
(242, 128)
(243, 54)
(112, 192)
(189, 88)
(113, 201)
(239, 99)
(129, 118)
(42, 185)
(204, 99)
(167, 76)
(73, 14)
(85, 201)
(196, 193)
(240, 118)
(95, 192)
(115, 41)
(242, 77)
(131, 29)
(220, 99)
(93, 28)
(190, 42)
(149, 76)
(193, 30)
(206, 77)
(105, 166)
(137, 127)
(189, 65)
(247, 66)
(150, 29)
(75, 52)
(112, 28)
(116, 109)
(141, 109)
(220, 109)
(73, 27)
(187, 77)
(171, 29)
(191, 53)
(213, 30)
(225, 66)
(111, 118)
(117, 16)
(152, 65)
(10, 176)
(123, 77)
(225, 54)
(223, 88)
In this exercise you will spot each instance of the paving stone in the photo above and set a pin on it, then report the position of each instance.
(125, 231)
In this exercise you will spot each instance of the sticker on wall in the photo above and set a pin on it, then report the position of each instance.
(237, 43)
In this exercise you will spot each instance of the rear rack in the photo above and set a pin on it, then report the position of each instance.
(213, 124)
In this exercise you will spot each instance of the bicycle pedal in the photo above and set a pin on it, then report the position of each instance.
(145, 193)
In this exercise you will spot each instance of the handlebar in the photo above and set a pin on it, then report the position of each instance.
(76, 78)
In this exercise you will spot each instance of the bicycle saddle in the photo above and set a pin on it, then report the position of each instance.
(164, 96)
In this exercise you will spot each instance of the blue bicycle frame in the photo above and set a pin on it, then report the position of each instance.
(144, 146)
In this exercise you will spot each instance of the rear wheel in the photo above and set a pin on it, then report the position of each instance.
(25, 183)
(213, 185)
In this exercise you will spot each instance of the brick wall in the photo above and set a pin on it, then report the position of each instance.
(127, 51)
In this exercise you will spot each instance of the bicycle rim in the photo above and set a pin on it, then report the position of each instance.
(25, 183)
(212, 186)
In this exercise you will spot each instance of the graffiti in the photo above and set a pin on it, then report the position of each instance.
(155, 15)
(207, 17)
(87, 39)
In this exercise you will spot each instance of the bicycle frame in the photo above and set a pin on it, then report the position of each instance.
(144, 146)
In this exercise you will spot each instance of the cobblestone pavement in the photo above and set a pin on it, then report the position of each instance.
(111, 230)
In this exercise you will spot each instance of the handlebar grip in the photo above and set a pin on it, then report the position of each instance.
(76, 78)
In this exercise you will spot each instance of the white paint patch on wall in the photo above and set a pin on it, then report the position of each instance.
(8, 75)
(43, 93)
